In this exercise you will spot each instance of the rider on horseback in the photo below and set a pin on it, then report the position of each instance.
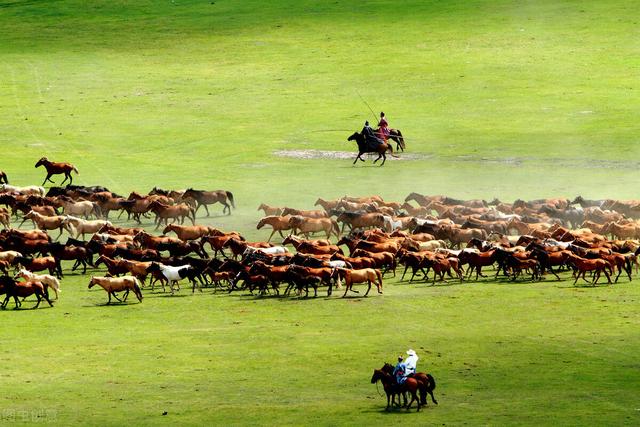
(383, 128)
(398, 371)
(370, 135)
(411, 364)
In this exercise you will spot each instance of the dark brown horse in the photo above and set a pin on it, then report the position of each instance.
(54, 168)
(392, 388)
(204, 198)
(3, 178)
(365, 146)
(395, 135)
(426, 383)
(14, 289)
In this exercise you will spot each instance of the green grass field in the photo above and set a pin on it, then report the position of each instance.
(499, 99)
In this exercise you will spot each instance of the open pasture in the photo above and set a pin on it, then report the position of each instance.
(496, 99)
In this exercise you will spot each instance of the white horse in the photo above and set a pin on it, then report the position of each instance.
(390, 225)
(84, 208)
(274, 250)
(77, 226)
(432, 245)
(173, 274)
(30, 190)
(9, 256)
(46, 279)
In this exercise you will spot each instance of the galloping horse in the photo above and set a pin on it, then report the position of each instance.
(395, 135)
(365, 147)
(57, 169)
(204, 198)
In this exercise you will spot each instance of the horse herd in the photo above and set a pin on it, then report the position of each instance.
(438, 237)
(435, 238)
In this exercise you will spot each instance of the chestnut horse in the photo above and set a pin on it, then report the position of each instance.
(54, 168)
(426, 383)
(204, 198)
(365, 275)
(395, 135)
(391, 388)
(117, 284)
(365, 147)
(278, 223)
(12, 288)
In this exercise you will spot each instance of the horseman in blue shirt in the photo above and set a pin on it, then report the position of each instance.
(399, 370)
(370, 135)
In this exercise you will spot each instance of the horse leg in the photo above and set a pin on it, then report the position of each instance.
(368, 289)
(357, 158)
(379, 157)
(116, 296)
(384, 159)
(433, 399)
(207, 209)
(126, 295)
(347, 285)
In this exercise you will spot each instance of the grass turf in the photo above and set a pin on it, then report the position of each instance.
(503, 99)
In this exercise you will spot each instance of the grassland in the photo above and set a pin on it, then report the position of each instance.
(502, 99)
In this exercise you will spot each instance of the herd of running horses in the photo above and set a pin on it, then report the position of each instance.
(434, 238)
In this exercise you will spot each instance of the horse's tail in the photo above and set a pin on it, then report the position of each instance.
(401, 139)
(230, 196)
(75, 169)
(432, 381)
(136, 288)
(97, 211)
(390, 150)
(335, 227)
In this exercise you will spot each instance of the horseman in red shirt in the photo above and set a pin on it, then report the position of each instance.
(383, 128)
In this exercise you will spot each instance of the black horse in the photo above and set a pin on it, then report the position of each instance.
(3, 178)
(365, 146)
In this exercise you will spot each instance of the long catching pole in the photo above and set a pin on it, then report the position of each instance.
(375, 119)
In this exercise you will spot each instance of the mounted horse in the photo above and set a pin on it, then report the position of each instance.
(365, 146)
(391, 388)
(395, 135)
(58, 168)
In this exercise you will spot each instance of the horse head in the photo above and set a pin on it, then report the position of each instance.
(355, 137)
(42, 161)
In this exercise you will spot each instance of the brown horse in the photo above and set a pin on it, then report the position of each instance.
(278, 223)
(59, 168)
(365, 275)
(395, 135)
(304, 225)
(165, 212)
(365, 147)
(598, 266)
(426, 383)
(14, 289)
(391, 388)
(186, 232)
(204, 198)
(118, 284)
(3, 178)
